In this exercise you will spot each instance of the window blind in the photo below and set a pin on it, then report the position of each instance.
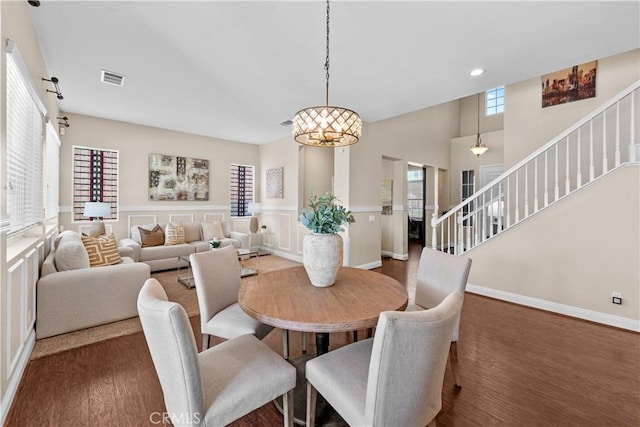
(25, 129)
(52, 168)
(95, 179)
(241, 189)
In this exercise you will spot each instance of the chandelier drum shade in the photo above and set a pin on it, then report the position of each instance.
(327, 126)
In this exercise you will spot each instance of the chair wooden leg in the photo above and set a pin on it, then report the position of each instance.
(453, 358)
(205, 341)
(285, 344)
(287, 408)
(304, 343)
(311, 405)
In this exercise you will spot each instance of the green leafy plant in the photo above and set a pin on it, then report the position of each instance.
(323, 216)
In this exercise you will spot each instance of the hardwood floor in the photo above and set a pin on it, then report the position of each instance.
(518, 367)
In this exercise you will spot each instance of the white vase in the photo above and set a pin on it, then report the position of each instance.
(322, 258)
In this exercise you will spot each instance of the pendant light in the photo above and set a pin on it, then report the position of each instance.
(479, 148)
(327, 126)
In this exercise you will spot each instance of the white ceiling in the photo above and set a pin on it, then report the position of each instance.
(236, 70)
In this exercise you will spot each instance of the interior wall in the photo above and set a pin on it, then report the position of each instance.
(559, 256)
(21, 257)
(469, 116)
(135, 143)
(386, 221)
(528, 126)
(463, 159)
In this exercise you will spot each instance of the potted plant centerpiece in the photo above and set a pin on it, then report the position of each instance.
(322, 248)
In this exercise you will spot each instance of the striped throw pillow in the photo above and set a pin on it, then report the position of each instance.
(102, 250)
(174, 234)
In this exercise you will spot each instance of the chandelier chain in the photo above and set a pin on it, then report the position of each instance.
(326, 61)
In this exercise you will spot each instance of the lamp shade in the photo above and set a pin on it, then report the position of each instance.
(96, 209)
(255, 208)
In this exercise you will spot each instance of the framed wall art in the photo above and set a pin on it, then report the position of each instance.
(275, 183)
(178, 178)
(568, 85)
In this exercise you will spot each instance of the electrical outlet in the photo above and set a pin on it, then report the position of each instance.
(616, 298)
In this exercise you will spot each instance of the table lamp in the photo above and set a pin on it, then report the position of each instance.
(96, 211)
(254, 209)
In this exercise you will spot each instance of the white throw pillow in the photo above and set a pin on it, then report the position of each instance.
(212, 230)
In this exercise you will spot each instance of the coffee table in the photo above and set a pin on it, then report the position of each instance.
(186, 277)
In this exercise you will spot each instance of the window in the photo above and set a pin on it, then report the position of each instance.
(95, 179)
(52, 167)
(466, 191)
(241, 189)
(25, 129)
(495, 101)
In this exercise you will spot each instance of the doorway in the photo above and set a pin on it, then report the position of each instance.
(416, 191)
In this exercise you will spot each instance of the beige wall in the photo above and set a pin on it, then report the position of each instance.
(463, 159)
(135, 143)
(527, 126)
(18, 265)
(469, 117)
(576, 252)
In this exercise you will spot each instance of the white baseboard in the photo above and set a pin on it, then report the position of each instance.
(554, 307)
(14, 381)
(286, 255)
(369, 265)
(400, 257)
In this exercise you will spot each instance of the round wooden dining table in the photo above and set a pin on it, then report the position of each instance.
(286, 299)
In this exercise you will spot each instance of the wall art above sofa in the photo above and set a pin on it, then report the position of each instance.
(178, 178)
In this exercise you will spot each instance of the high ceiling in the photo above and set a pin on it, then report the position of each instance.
(236, 70)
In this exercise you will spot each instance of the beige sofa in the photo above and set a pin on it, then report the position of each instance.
(71, 295)
(166, 257)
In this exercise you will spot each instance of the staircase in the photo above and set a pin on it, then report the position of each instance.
(590, 149)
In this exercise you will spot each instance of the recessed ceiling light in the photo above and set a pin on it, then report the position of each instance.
(476, 72)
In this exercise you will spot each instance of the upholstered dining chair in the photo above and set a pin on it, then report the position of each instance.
(439, 274)
(217, 278)
(392, 379)
(219, 385)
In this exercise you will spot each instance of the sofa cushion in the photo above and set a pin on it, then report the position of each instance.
(174, 234)
(226, 228)
(70, 253)
(191, 231)
(153, 237)
(201, 246)
(162, 252)
(102, 250)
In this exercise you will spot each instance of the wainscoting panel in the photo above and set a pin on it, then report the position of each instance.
(180, 218)
(139, 220)
(301, 231)
(15, 318)
(284, 231)
(29, 291)
(210, 217)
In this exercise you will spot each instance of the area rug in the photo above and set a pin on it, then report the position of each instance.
(175, 292)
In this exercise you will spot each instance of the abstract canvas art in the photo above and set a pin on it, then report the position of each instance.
(178, 178)
(275, 183)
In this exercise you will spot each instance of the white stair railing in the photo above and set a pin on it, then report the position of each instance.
(584, 152)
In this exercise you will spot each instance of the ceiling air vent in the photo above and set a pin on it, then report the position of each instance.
(286, 123)
(112, 78)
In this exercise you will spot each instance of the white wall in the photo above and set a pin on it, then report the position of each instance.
(528, 126)
(20, 258)
(574, 254)
(135, 143)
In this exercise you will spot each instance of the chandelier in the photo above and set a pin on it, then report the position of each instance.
(327, 126)
(479, 148)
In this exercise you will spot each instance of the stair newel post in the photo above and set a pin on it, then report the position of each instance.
(459, 244)
(618, 133)
(434, 234)
(592, 171)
